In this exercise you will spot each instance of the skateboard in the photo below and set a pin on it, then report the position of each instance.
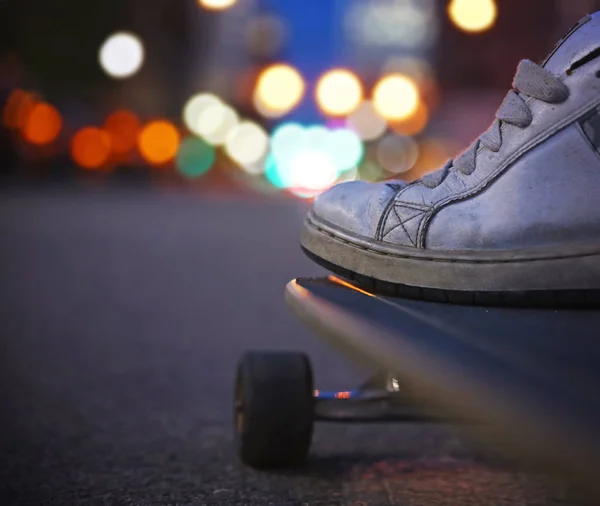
(527, 377)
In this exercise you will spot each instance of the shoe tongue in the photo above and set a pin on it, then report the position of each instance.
(579, 42)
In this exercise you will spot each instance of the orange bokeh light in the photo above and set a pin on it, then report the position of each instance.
(343, 395)
(123, 128)
(91, 148)
(414, 124)
(433, 154)
(17, 109)
(42, 125)
(158, 142)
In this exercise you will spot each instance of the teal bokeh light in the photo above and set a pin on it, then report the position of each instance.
(195, 157)
(306, 155)
(273, 172)
(346, 148)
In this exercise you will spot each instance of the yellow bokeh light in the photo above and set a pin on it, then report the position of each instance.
(279, 89)
(396, 97)
(473, 15)
(217, 5)
(339, 92)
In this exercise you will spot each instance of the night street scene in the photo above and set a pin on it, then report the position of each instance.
(158, 161)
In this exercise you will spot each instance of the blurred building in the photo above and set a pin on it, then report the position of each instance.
(223, 49)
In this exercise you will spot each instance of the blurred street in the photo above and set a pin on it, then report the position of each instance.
(156, 163)
(123, 314)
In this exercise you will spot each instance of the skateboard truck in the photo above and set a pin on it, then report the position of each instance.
(379, 399)
(276, 407)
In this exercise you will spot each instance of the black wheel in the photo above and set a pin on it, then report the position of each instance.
(273, 409)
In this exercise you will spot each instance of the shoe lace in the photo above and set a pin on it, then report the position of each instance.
(531, 80)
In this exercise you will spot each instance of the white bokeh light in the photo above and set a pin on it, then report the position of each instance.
(195, 108)
(312, 170)
(121, 55)
(247, 144)
(397, 153)
(216, 123)
(367, 122)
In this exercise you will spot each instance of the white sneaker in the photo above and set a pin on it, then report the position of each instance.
(518, 211)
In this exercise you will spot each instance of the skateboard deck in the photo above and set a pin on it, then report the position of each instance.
(527, 377)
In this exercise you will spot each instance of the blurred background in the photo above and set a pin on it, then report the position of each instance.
(123, 313)
(258, 95)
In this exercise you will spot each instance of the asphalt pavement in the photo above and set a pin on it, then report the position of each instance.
(122, 316)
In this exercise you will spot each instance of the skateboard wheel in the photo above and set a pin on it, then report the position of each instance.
(273, 409)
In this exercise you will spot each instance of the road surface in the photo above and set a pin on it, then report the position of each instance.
(122, 315)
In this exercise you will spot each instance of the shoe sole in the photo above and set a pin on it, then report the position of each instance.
(550, 276)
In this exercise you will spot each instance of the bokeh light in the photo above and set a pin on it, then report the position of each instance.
(91, 148)
(247, 144)
(195, 108)
(216, 5)
(311, 172)
(315, 138)
(345, 147)
(121, 55)
(415, 123)
(273, 172)
(433, 154)
(217, 123)
(473, 16)
(207, 116)
(43, 124)
(396, 97)
(158, 142)
(367, 122)
(307, 160)
(195, 157)
(17, 108)
(279, 89)
(123, 127)
(397, 153)
(338, 92)
(284, 140)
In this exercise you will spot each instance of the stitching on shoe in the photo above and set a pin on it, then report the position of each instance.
(384, 215)
(536, 141)
(392, 204)
(401, 223)
(587, 139)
